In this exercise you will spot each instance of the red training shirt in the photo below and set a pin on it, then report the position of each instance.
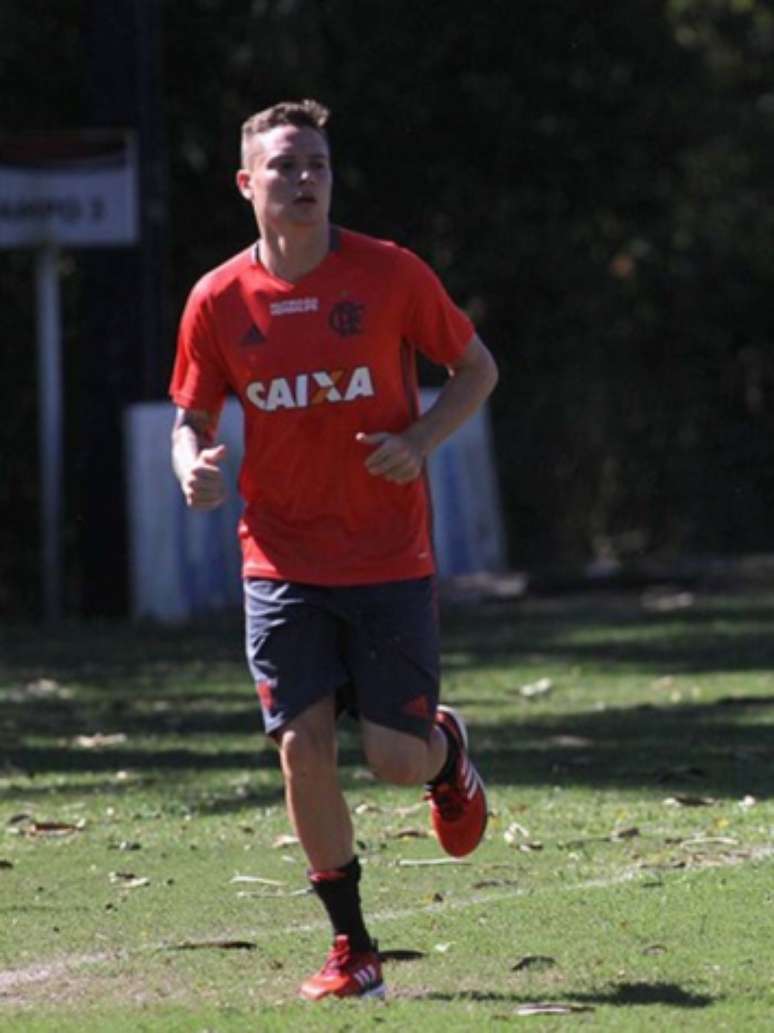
(313, 363)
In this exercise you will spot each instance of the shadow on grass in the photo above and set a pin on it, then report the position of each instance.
(730, 633)
(650, 993)
(621, 994)
(181, 714)
(705, 749)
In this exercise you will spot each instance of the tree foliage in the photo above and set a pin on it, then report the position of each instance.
(593, 183)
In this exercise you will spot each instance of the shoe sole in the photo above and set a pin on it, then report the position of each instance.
(375, 992)
(379, 992)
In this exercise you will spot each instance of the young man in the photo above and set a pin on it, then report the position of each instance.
(314, 328)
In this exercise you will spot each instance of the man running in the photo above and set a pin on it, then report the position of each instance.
(315, 328)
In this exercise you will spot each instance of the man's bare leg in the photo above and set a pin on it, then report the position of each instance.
(315, 802)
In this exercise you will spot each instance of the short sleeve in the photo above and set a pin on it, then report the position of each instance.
(433, 322)
(198, 378)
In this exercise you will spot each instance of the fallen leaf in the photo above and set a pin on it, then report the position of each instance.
(426, 863)
(658, 864)
(683, 800)
(50, 828)
(537, 688)
(688, 844)
(409, 834)
(404, 812)
(258, 879)
(367, 808)
(285, 840)
(664, 684)
(578, 844)
(629, 833)
(191, 945)
(47, 687)
(571, 742)
(666, 599)
(552, 1008)
(99, 740)
(540, 962)
(513, 832)
(128, 879)
(15, 819)
(490, 883)
(655, 949)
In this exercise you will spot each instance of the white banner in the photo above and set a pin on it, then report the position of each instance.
(73, 189)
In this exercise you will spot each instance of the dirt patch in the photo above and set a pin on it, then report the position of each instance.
(62, 982)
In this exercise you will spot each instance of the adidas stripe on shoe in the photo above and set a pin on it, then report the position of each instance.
(346, 973)
(458, 808)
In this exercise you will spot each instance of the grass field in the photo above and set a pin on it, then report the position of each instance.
(148, 881)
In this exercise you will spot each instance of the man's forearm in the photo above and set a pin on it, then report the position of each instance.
(185, 450)
(462, 394)
(196, 461)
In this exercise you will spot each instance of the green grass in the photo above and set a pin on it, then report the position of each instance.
(630, 845)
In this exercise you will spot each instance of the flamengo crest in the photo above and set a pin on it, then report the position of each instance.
(346, 318)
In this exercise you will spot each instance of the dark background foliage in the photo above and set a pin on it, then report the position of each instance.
(593, 182)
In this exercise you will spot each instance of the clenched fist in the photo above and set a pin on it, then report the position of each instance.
(204, 486)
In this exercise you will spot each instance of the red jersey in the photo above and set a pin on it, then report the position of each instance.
(313, 363)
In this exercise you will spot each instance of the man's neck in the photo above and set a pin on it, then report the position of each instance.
(290, 256)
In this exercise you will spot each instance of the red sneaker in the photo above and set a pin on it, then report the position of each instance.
(346, 973)
(458, 807)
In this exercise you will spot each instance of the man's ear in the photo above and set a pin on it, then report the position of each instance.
(243, 184)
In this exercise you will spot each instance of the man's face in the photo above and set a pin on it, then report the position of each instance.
(288, 178)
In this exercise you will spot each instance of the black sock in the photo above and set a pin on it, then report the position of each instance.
(452, 753)
(339, 892)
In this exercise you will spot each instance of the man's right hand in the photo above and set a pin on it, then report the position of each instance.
(204, 485)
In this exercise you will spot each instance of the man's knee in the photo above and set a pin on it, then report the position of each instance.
(306, 751)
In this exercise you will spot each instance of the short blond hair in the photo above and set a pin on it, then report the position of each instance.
(309, 113)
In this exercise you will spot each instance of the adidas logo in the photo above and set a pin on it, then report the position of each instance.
(252, 337)
(417, 707)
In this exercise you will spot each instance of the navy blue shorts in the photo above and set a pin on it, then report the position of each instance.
(375, 647)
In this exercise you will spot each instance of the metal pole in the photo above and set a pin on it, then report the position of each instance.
(49, 427)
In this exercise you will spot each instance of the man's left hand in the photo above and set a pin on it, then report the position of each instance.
(395, 457)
